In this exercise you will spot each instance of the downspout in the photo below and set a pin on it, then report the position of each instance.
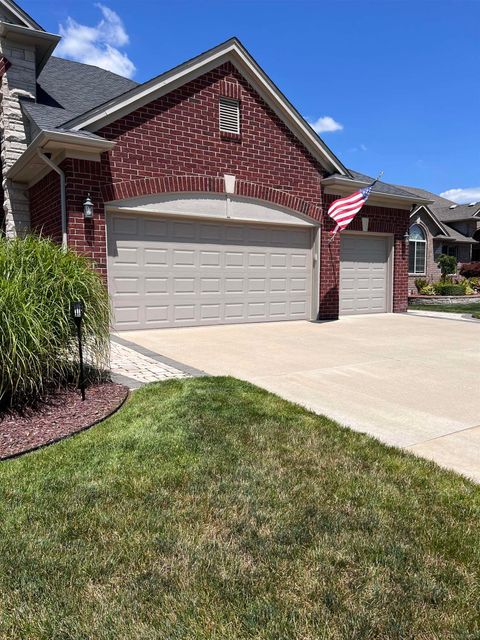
(63, 199)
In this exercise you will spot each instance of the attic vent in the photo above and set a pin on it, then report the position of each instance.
(453, 206)
(229, 111)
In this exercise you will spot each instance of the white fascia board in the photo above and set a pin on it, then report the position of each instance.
(336, 185)
(432, 216)
(232, 51)
(53, 141)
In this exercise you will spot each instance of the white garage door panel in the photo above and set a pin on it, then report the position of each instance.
(166, 272)
(364, 278)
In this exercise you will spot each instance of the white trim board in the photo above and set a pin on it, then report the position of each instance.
(212, 207)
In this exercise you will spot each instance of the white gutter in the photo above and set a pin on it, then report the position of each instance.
(63, 199)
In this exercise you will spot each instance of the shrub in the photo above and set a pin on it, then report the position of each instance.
(38, 348)
(468, 290)
(447, 264)
(427, 290)
(420, 283)
(474, 283)
(449, 289)
(470, 269)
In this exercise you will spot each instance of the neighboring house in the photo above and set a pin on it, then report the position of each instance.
(209, 189)
(441, 227)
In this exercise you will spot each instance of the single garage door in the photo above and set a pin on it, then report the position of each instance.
(364, 274)
(169, 272)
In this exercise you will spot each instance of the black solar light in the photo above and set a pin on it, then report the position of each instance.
(77, 310)
(88, 208)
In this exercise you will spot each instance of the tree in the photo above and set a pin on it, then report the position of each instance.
(447, 264)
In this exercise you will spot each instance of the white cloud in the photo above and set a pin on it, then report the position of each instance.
(361, 147)
(98, 45)
(462, 196)
(325, 124)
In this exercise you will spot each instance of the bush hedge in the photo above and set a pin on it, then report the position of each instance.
(449, 289)
(470, 269)
(38, 347)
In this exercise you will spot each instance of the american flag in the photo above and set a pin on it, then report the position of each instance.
(345, 209)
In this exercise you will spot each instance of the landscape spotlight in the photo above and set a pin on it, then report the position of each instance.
(77, 310)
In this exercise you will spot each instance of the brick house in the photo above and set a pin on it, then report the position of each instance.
(440, 227)
(209, 189)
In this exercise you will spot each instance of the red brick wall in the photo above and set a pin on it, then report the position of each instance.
(86, 236)
(179, 134)
(381, 220)
(45, 208)
(174, 144)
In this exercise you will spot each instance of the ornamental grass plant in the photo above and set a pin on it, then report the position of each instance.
(38, 345)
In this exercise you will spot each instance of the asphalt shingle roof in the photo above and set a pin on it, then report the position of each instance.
(380, 187)
(453, 234)
(67, 89)
(442, 211)
(461, 212)
(428, 195)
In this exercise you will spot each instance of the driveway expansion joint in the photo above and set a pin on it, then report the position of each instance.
(444, 435)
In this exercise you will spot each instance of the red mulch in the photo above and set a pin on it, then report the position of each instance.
(59, 416)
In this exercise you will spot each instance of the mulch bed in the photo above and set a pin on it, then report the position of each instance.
(60, 415)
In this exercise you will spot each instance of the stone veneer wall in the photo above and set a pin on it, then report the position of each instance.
(18, 81)
(442, 300)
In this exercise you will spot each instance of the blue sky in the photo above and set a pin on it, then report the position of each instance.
(401, 79)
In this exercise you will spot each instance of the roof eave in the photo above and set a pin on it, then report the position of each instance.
(344, 183)
(43, 41)
(456, 240)
(54, 141)
(462, 219)
(231, 50)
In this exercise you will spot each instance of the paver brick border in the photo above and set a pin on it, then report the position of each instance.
(184, 368)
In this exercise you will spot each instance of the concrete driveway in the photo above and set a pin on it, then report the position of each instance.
(410, 381)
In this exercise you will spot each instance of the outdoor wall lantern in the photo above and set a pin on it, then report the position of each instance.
(406, 239)
(365, 222)
(77, 311)
(88, 208)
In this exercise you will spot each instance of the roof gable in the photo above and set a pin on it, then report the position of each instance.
(12, 13)
(230, 51)
(424, 208)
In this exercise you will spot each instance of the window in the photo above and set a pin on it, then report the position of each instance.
(417, 250)
(229, 111)
(450, 250)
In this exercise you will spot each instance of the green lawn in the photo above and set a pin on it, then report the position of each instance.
(209, 509)
(474, 308)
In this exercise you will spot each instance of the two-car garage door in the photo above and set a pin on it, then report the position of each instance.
(166, 272)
